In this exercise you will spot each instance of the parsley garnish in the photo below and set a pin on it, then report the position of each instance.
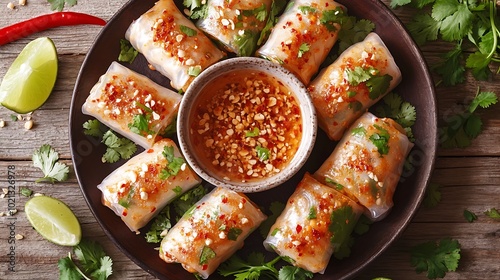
(436, 258)
(303, 49)
(458, 21)
(381, 140)
(262, 153)
(342, 223)
(461, 129)
(127, 52)
(91, 257)
(194, 71)
(246, 43)
(47, 159)
(360, 131)
(206, 254)
(253, 133)
(233, 233)
(188, 31)
(174, 164)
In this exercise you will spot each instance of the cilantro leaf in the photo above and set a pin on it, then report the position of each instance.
(436, 258)
(246, 43)
(127, 52)
(198, 9)
(469, 216)
(194, 71)
(358, 75)
(363, 225)
(378, 85)
(252, 133)
(207, 254)
(188, 31)
(461, 129)
(93, 128)
(92, 258)
(262, 153)
(432, 195)
(492, 213)
(233, 233)
(353, 31)
(68, 270)
(381, 140)
(254, 268)
(182, 204)
(342, 224)
(276, 208)
(117, 147)
(303, 49)
(47, 159)
(276, 7)
(424, 28)
(393, 106)
(174, 164)
(25, 192)
(160, 224)
(329, 18)
(455, 17)
(294, 273)
(451, 68)
(59, 4)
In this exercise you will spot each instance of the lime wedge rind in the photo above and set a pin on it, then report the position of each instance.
(30, 79)
(54, 220)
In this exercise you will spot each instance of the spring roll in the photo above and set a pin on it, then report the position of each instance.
(361, 76)
(367, 163)
(236, 24)
(172, 44)
(315, 222)
(139, 189)
(303, 36)
(132, 104)
(211, 231)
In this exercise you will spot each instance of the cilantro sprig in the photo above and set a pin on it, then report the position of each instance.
(277, 7)
(198, 9)
(59, 4)
(436, 257)
(127, 52)
(255, 267)
(459, 130)
(91, 257)
(117, 148)
(467, 24)
(47, 159)
(393, 106)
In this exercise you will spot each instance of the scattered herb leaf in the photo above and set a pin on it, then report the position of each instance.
(47, 159)
(127, 52)
(432, 195)
(275, 208)
(188, 31)
(262, 153)
(492, 213)
(469, 216)
(58, 5)
(25, 192)
(436, 257)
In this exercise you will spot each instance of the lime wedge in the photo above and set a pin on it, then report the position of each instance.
(31, 77)
(53, 220)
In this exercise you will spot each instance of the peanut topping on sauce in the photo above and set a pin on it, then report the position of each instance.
(246, 125)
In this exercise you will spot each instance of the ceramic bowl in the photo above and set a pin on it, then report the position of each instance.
(262, 135)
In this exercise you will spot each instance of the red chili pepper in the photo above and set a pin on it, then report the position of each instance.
(40, 23)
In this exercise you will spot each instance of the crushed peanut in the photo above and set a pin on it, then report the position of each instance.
(234, 107)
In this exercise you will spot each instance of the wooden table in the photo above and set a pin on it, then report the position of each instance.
(470, 178)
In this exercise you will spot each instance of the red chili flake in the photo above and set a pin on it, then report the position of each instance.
(204, 267)
(224, 199)
(221, 217)
(124, 213)
(150, 151)
(153, 209)
(298, 228)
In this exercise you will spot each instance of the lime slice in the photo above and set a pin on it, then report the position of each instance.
(53, 220)
(31, 77)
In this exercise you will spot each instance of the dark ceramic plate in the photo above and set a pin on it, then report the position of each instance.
(416, 88)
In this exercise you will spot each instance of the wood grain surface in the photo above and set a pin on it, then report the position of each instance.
(470, 177)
